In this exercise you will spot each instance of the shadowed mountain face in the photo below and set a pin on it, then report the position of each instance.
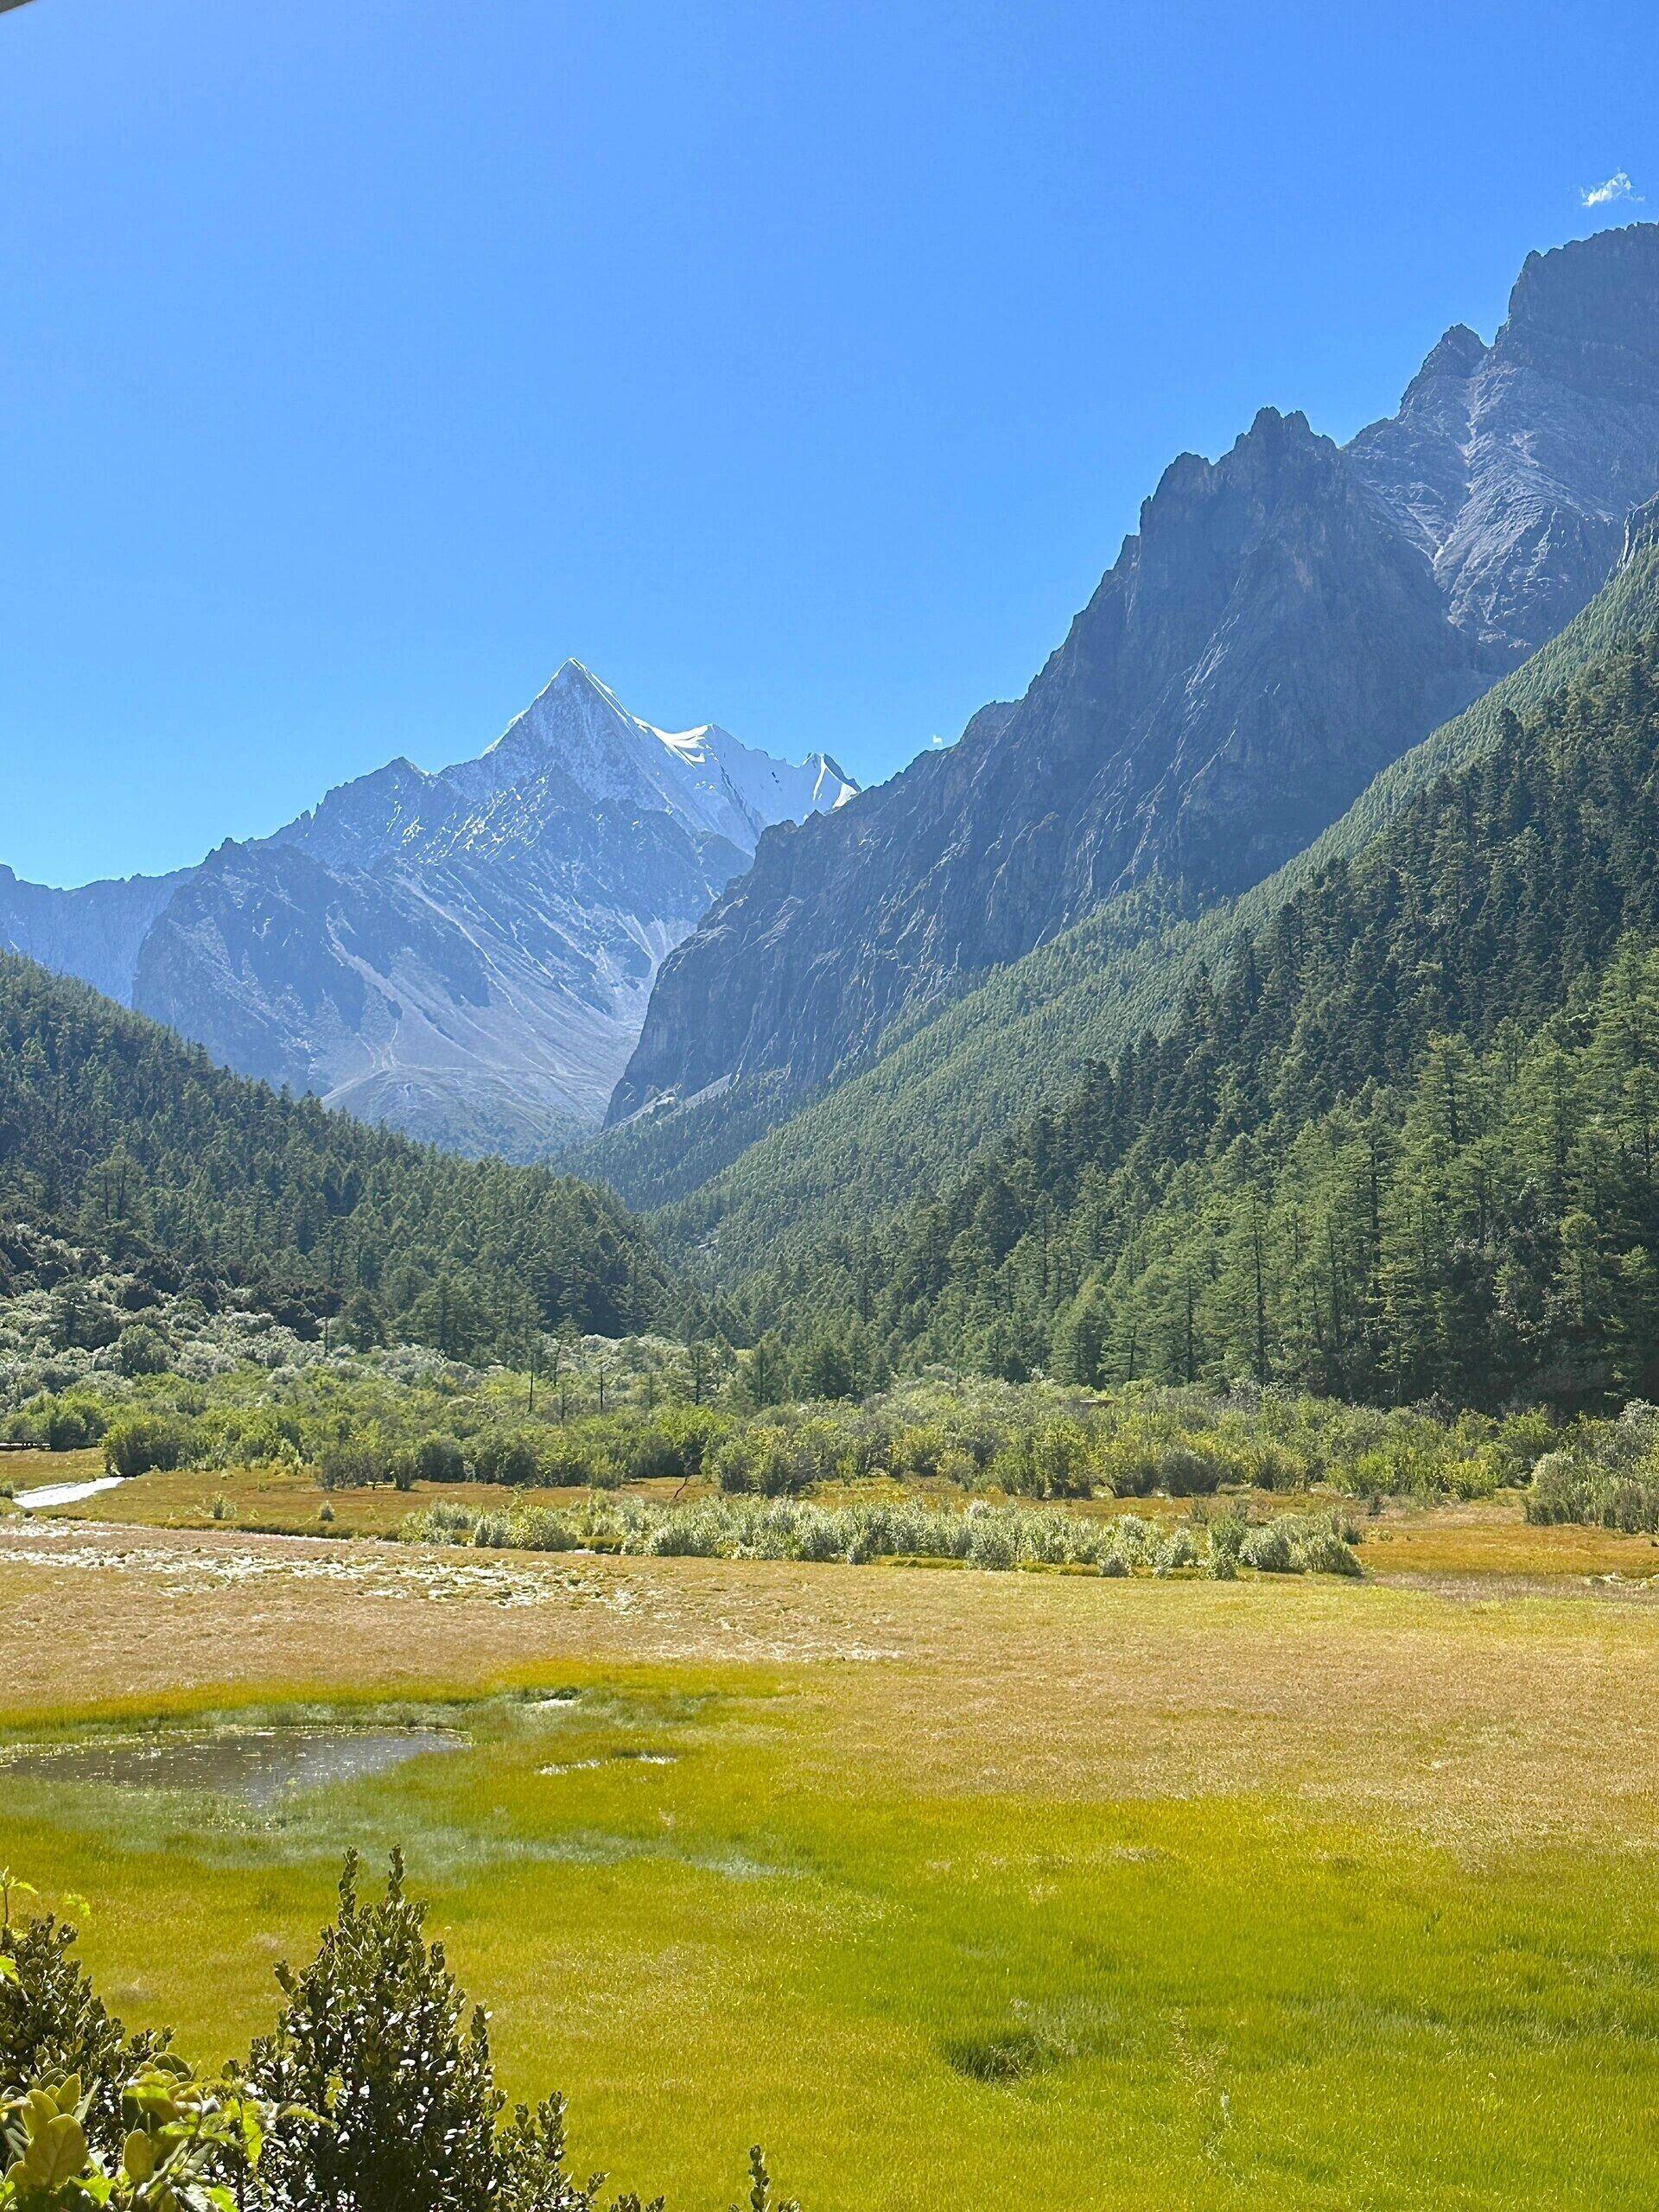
(1287, 621)
(465, 956)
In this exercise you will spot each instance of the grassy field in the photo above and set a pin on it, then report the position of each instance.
(1490, 1538)
(27, 1470)
(956, 1889)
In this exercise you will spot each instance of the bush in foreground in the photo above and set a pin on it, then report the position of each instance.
(375, 2092)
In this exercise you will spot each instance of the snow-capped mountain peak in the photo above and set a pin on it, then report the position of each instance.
(467, 955)
(703, 778)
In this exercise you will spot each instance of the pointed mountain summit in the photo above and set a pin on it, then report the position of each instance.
(704, 779)
(464, 955)
(1287, 621)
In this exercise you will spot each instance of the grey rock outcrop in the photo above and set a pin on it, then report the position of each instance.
(1287, 620)
(466, 956)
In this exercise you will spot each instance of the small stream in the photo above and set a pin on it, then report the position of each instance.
(65, 1493)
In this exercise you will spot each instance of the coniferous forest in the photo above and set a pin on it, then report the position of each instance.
(134, 1143)
(1401, 1146)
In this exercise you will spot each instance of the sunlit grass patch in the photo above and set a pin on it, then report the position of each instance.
(1101, 1893)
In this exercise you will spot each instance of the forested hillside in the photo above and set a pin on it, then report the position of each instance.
(1404, 1143)
(133, 1141)
(1286, 622)
(1026, 1036)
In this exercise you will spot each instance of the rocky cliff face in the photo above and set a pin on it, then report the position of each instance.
(466, 956)
(93, 932)
(1287, 621)
(1512, 466)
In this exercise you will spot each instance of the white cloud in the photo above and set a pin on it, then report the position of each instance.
(1617, 186)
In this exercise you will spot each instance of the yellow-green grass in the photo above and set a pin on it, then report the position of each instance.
(1486, 1537)
(32, 1470)
(963, 1890)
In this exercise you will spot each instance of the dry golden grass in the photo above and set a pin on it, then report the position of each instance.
(1493, 1538)
(1474, 1720)
(279, 1501)
(1308, 1894)
(30, 1470)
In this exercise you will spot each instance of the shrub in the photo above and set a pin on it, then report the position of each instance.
(1129, 1468)
(1184, 1472)
(442, 1522)
(355, 1463)
(772, 1461)
(1227, 1531)
(141, 1350)
(440, 1459)
(142, 1444)
(1177, 1549)
(506, 1455)
(1322, 1551)
(376, 2093)
(248, 1436)
(1268, 1549)
(540, 1528)
(53, 2025)
(373, 2036)
(65, 1425)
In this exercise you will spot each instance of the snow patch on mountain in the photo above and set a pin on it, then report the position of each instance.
(467, 955)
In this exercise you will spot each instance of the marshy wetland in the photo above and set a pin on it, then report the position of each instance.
(1278, 1891)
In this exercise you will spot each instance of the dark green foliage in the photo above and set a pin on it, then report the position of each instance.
(439, 1459)
(760, 2197)
(53, 2025)
(138, 1444)
(1404, 1144)
(130, 1140)
(373, 2039)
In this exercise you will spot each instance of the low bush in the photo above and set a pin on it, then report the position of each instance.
(143, 1443)
(995, 1538)
(375, 2092)
(1268, 1549)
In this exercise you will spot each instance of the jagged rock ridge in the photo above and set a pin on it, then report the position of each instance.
(466, 956)
(1286, 622)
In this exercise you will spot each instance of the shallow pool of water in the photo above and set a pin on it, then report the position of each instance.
(260, 1766)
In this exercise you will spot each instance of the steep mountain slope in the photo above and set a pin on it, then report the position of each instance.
(466, 956)
(747, 1191)
(1405, 1141)
(1287, 621)
(93, 932)
(1513, 466)
(111, 1124)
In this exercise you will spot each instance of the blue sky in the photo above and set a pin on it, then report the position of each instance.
(798, 366)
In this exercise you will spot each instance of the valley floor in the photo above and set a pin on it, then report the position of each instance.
(954, 1888)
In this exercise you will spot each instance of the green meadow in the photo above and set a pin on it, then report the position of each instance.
(1121, 1921)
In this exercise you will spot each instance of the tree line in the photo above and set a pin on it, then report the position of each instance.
(1402, 1145)
(133, 1144)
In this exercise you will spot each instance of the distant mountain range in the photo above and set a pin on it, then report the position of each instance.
(1286, 623)
(466, 956)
